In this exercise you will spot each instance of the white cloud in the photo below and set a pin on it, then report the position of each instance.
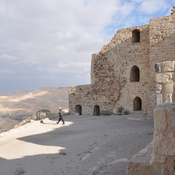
(138, 1)
(73, 65)
(152, 6)
(6, 72)
(6, 56)
(56, 37)
(129, 21)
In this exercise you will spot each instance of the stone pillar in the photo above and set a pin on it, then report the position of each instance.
(158, 158)
(165, 82)
(164, 138)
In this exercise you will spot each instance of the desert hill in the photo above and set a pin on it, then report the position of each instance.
(17, 105)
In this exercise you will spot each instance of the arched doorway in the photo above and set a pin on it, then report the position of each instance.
(78, 109)
(137, 104)
(135, 74)
(96, 110)
(135, 36)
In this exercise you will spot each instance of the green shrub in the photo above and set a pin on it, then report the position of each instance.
(63, 153)
(126, 112)
(120, 110)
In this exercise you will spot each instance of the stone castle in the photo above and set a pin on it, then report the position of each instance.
(135, 70)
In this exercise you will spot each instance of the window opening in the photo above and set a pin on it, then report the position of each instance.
(135, 74)
(136, 36)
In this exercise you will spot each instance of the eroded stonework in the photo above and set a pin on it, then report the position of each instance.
(125, 71)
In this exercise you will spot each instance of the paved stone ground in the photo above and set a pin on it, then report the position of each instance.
(91, 145)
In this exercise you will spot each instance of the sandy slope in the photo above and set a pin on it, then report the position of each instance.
(20, 103)
(85, 145)
(6, 123)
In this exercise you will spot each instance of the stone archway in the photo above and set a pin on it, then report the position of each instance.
(78, 109)
(135, 74)
(137, 104)
(96, 110)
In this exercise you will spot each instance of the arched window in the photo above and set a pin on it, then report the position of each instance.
(137, 104)
(135, 74)
(96, 110)
(135, 36)
(78, 109)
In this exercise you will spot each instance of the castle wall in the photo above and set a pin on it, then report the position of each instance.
(162, 37)
(88, 97)
(113, 63)
(134, 54)
(112, 69)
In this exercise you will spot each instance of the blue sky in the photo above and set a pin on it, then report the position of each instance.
(49, 43)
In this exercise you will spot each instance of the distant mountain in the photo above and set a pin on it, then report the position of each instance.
(19, 104)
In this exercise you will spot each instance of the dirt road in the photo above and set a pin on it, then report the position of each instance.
(85, 145)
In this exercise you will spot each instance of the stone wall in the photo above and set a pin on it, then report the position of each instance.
(111, 70)
(87, 97)
(158, 158)
(110, 75)
(162, 37)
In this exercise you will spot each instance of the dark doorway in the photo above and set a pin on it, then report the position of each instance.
(136, 36)
(135, 74)
(78, 109)
(96, 110)
(137, 104)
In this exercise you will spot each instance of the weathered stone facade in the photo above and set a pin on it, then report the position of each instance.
(158, 158)
(123, 72)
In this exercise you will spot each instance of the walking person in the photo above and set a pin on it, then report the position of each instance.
(60, 116)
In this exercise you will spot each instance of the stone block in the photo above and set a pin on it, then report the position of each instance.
(160, 119)
(158, 159)
(158, 88)
(167, 98)
(140, 164)
(159, 99)
(173, 96)
(168, 66)
(168, 88)
(101, 80)
(164, 78)
(112, 98)
(141, 169)
(172, 119)
(164, 144)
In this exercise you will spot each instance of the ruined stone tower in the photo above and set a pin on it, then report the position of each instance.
(124, 71)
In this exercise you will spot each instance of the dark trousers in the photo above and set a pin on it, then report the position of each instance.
(60, 119)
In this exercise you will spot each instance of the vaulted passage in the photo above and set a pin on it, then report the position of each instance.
(137, 104)
(135, 74)
(96, 110)
(136, 36)
(78, 109)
